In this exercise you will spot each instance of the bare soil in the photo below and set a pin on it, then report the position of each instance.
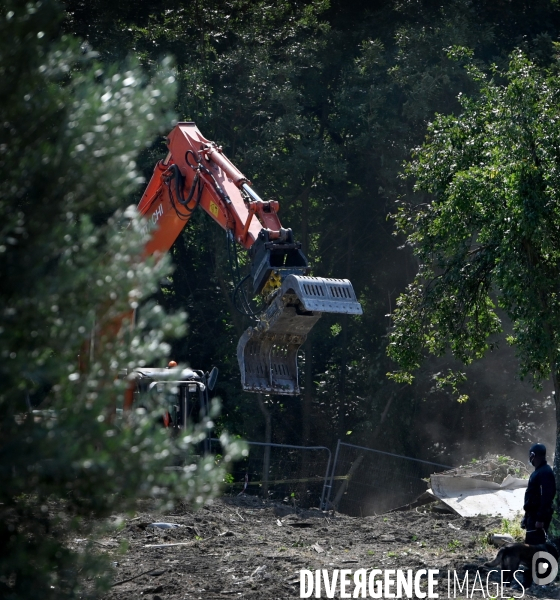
(244, 547)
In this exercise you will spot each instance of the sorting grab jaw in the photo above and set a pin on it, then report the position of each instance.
(267, 353)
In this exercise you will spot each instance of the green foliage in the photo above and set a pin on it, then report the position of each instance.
(70, 134)
(486, 235)
(454, 545)
(513, 527)
(319, 106)
(507, 526)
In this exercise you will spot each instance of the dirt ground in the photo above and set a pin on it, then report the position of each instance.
(244, 547)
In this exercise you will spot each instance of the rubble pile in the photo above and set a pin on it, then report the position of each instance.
(493, 467)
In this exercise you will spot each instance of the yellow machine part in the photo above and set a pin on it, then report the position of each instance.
(272, 283)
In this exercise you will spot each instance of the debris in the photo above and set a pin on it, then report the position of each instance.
(423, 499)
(106, 543)
(226, 534)
(441, 508)
(195, 530)
(469, 497)
(279, 522)
(132, 578)
(317, 548)
(167, 545)
(451, 526)
(165, 525)
(492, 467)
(239, 515)
(500, 539)
(259, 571)
(493, 486)
(152, 590)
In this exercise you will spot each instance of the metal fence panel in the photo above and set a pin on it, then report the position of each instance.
(366, 481)
(277, 471)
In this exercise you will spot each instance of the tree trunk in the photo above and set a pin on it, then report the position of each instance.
(344, 354)
(343, 366)
(307, 393)
(307, 397)
(267, 440)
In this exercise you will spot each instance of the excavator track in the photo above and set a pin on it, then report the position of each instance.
(267, 353)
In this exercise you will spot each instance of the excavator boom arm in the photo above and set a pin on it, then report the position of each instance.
(197, 173)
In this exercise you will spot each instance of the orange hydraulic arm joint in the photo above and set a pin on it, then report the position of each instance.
(197, 173)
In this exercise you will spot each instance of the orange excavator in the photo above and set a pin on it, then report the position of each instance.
(196, 173)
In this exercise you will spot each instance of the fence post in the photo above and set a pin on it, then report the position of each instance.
(268, 440)
(325, 485)
(329, 486)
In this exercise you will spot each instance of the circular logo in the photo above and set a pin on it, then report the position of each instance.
(545, 568)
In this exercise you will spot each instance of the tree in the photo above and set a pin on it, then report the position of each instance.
(70, 132)
(486, 230)
(319, 106)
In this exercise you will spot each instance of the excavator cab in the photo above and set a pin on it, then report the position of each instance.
(181, 392)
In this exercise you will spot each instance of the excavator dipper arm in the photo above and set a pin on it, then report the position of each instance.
(197, 173)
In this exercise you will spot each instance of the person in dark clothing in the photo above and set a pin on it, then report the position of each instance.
(539, 495)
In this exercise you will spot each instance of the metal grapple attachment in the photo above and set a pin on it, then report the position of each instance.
(267, 353)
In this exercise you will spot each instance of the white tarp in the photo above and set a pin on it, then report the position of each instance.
(470, 497)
